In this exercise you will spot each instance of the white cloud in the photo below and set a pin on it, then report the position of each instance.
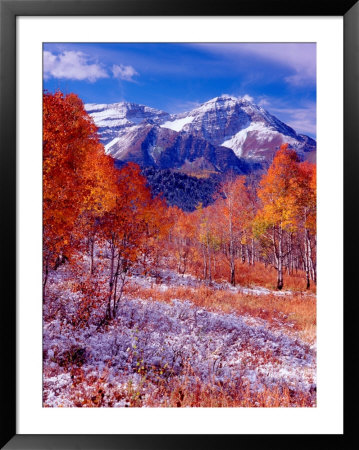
(263, 102)
(248, 98)
(297, 80)
(72, 65)
(124, 72)
(300, 58)
(301, 119)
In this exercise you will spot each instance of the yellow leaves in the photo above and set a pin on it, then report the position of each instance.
(287, 190)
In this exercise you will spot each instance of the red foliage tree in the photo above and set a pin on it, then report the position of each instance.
(78, 178)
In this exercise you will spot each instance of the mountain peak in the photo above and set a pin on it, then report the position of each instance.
(224, 98)
(226, 121)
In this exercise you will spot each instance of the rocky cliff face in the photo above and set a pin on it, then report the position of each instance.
(238, 124)
(114, 118)
(225, 133)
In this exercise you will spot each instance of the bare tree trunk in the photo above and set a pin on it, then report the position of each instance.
(184, 263)
(117, 271)
(289, 255)
(45, 277)
(243, 255)
(280, 258)
(313, 271)
(306, 258)
(310, 268)
(233, 275)
(116, 299)
(209, 265)
(277, 255)
(232, 263)
(209, 260)
(311, 263)
(92, 247)
(247, 255)
(111, 281)
(204, 262)
(232, 253)
(252, 256)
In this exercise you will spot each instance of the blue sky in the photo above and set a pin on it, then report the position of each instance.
(178, 77)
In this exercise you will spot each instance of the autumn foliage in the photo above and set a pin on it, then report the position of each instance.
(271, 224)
(77, 178)
(87, 203)
(109, 244)
(109, 217)
(92, 209)
(288, 198)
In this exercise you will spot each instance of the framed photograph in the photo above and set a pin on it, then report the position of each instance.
(174, 259)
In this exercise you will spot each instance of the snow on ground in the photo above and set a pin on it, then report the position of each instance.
(176, 340)
(263, 134)
(177, 124)
(111, 143)
(171, 278)
(236, 142)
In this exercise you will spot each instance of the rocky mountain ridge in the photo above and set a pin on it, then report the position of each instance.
(225, 133)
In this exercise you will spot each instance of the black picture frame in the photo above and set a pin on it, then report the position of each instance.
(9, 10)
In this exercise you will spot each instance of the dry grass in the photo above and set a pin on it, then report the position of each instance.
(256, 275)
(213, 396)
(297, 311)
(267, 276)
(88, 391)
(295, 314)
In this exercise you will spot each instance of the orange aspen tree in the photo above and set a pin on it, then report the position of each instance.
(69, 136)
(124, 228)
(182, 235)
(157, 226)
(279, 210)
(100, 187)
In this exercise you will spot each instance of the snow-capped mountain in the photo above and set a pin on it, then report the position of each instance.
(236, 123)
(221, 134)
(111, 119)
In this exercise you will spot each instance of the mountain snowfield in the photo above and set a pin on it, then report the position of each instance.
(143, 134)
